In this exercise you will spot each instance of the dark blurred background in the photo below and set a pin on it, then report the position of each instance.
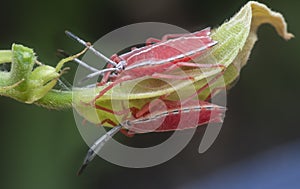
(258, 146)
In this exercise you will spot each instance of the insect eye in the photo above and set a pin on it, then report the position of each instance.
(121, 65)
(127, 123)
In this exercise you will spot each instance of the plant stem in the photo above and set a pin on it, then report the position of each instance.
(56, 99)
(4, 79)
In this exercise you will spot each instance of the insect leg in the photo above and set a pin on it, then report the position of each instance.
(107, 72)
(101, 93)
(122, 112)
(123, 130)
(100, 72)
(97, 146)
(127, 133)
(121, 63)
(145, 109)
(106, 76)
(208, 84)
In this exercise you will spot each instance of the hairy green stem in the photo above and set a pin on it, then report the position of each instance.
(56, 99)
(4, 79)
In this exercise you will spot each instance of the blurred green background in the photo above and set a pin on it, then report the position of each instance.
(43, 149)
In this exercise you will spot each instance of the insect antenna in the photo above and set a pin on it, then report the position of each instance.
(89, 46)
(100, 72)
(97, 146)
(64, 84)
(95, 71)
(78, 61)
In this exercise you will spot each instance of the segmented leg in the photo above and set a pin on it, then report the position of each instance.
(106, 76)
(122, 112)
(101, 72)
(161, 75)
(213, 80)
(145, 109)
(125, 78)
(101, 141)
(137, 113)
